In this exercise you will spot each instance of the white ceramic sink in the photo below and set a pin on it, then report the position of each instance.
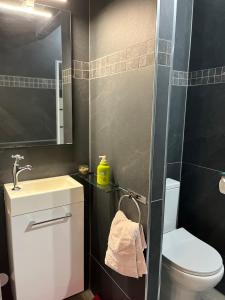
(42, 194)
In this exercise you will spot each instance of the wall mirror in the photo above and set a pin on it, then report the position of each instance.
(35, 75)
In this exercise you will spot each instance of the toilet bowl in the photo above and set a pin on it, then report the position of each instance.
(189, 265)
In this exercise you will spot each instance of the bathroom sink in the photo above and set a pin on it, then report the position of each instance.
(42, 194)
(45, 223)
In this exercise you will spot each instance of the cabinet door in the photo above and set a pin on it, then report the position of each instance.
(48, 258)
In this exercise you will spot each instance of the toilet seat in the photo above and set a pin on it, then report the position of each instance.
(187, 253)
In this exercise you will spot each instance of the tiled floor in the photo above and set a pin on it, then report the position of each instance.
(87, 295)
(213, 295)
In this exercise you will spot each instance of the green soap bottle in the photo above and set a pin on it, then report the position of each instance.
(103, 171)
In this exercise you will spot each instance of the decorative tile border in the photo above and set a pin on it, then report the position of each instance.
(199, 77)
(81, 69)
(135, 57)
(67, 76)
(207, 76)
(164, 52)
(26, 82)
(179, 78)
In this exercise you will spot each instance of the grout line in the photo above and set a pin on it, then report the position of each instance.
(186, 97)
(95, 259)
(156, 200)
(200, 166)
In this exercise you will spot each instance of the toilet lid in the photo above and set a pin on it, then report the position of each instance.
(189, 254)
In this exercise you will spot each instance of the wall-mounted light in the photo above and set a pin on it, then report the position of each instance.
(25, 9)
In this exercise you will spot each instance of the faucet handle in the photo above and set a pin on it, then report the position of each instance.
(17, 157)
(29, 167)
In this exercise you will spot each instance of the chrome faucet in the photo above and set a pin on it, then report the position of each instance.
(17, 170)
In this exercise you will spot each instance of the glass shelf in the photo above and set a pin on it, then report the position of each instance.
(91, 178)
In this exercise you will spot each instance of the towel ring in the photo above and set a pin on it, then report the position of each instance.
(135, 202)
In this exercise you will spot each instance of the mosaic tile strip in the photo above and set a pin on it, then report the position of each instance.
(67, 76)
(164, 52)
(199, 77)
(179, 78)
(81, 69)
(26, 82)
(207, 76)
(135, 57)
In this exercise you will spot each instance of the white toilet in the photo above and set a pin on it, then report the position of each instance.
(189, 265)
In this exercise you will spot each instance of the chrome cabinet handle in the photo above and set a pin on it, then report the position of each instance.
(33, 224)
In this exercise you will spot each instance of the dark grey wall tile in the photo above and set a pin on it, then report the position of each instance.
(121, 119)
(204, 142)
(176, 123)
(174, 170)
(80, 29)
(103, 209)
(47, 161)
(160, 132)
(208, 42)
(116, 24)
(166, 19)
(81, 121)
(121, 116)
(183, 35)
(103, 285)
(201, 207)
(201, 203)
(155, 241)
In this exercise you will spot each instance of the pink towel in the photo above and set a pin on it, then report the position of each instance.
(125, 247)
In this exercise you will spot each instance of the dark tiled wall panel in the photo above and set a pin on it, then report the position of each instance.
(174, 170)
(176, 123)
(202, 207)
(121, 121)
(183, 35)
(201, 203)
(160, 132)
(204, 142)
(121, 116)
(156, 230)
(178, 93)
(116, 25)
(207, 50)
(103, 285)
(103, 209)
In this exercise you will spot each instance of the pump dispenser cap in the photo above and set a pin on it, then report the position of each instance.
(103, 157)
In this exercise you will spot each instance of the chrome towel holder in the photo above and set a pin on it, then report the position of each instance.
(130, 196)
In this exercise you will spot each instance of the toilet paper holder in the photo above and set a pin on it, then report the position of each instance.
(222, 183)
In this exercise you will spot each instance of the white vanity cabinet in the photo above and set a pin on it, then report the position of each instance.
(47, 245)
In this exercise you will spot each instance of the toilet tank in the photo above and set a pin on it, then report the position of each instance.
(171, 204)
